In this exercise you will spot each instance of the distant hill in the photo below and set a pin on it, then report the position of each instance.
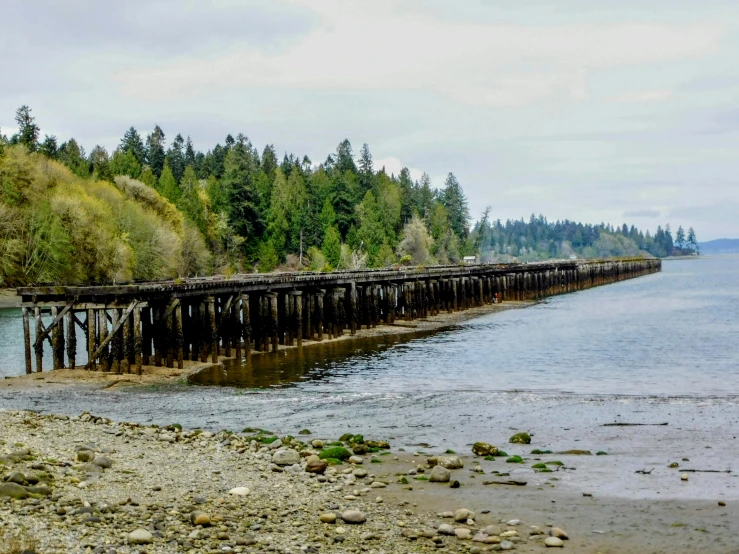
(720, 246)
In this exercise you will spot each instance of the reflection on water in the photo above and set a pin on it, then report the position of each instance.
(310, 363)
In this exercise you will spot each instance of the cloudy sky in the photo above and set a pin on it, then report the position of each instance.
(595, 111)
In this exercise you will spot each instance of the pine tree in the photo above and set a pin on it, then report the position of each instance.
(72, 155)
(167, 185)
(131, 142)
(191, 201)
(190, 157)
(328, 216)
(124, 163)
(49, 147)
(28, 131)
(680, 237)
(176, 158)
(100, 163)
(345, 157)
(155, 154)
(455, 202)
(238, 180)
(366, 170)
(692, 241)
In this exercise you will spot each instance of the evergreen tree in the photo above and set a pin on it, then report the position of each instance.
(155, 154)
(366, 170)
(405, 184)
(49, 147)
(167, 185)
(328, 216)
(28, 131)
(176, 157)
(345, 157)
(332, 247)
(240, 169)
(147, 177)
(190, 156)
(269, 161)
(72, 155)
(424, 196)
(131, 142)
(680, 237)
(124, 163)
(371, 231)
(455, 202)
(692, 241)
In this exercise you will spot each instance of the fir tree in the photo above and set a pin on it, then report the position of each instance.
(131, 142)
(28, 131)
(680, 237)
(455, 202)
(167, 186)
(176, 157)
(332, 247)
(49, 147)
(155, 154)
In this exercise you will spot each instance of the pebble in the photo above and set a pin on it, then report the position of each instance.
(328, 517)
(684, 477)
(559, 533)
(445, 529)
(200, 518)
(506, 545)
(463, 533)
(140, 536)
(353, 516)
(239, 491)
(463, 514)
(554, 542)
(440, 474)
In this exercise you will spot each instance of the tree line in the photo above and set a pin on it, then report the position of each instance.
(243, 209)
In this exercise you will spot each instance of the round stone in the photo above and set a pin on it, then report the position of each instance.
(554, 542)
(440, 475)
(140, 536)
(200, 518)
(239, 491)
(328, 517)
(353, 516)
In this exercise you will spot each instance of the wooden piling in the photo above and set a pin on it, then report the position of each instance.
(27, 339)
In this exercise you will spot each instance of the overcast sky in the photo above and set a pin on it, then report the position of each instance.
(596, 111)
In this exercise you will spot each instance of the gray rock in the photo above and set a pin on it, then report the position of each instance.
(506, 545)
(445, 529)
(85, 456)
(463, 514)
(353, 516)
(440, 474)
(286, 457)
(103, 462)
(13, 490)
(140, 536)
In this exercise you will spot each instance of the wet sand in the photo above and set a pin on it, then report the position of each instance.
(8, 299)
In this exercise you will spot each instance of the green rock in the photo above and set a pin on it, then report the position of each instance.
(515, 460)
(13, 490)
(539, 466)
(360, 449)
(540, 452)
(304, 432)
(502, 454)
(485, 449)
(489, 459)
(266, 440)
(421, 478)
(403, 480)
(378, 444)
(43, 490)
(601, 453)
(554, 463)
(332, 461)
(576, 452)
(345, 437)
(449, 451)
(520, 438)
(375, 461)
(335, 443)
(337, 452)
(354, 439)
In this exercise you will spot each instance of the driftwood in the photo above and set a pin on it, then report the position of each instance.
(506, 482)
(633, 424)
(644, 471)
(707, 470)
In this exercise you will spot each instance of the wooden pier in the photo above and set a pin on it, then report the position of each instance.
(129, 326)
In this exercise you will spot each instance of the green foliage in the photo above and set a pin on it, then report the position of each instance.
(268, 259)
(332, 247)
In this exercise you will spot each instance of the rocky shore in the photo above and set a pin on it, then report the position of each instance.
(88, 484)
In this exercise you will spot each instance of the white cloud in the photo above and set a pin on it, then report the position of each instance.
(641, 96)
(484, 64)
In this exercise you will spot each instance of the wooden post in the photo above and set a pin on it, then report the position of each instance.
(91, 335)
(146, 337)
(319, 314)
(297, 323)
(203, 330)
(157, 334)
(115, 348)
(237, 326)
(246, 324)
(213, 329)
(274, 320)
(27, 340)
(137, 341)
(127, 346)
(71, 340)
(57, 348)
(38, 346)
(102, 335)
(178, 337)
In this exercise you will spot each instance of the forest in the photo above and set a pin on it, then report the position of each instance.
(154, 209)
